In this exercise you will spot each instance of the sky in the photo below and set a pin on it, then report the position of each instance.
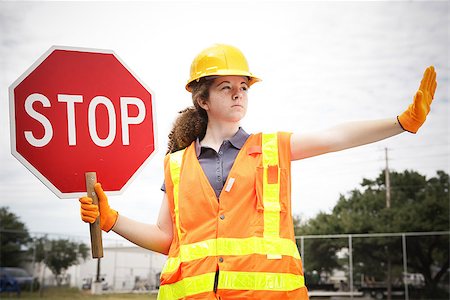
(322, 64)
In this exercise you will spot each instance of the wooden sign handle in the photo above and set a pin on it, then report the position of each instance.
(96, 231)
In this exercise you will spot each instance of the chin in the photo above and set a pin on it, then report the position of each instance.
(237, 118)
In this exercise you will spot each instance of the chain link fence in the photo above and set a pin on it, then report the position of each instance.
(410, 265)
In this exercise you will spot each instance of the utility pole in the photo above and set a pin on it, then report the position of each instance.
(388, 183)
(388, 206)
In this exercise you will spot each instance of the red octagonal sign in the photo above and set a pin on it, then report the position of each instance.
(81, 110)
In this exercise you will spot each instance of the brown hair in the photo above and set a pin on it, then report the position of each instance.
(192, 121)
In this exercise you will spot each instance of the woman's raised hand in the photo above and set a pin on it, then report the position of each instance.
(416, 114)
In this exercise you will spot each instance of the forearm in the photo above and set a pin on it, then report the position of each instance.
(343, 136)
(353, 134)
(149, 236)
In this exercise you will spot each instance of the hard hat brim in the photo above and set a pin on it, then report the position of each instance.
(252, 78)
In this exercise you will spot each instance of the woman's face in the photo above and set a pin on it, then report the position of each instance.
(227, 99)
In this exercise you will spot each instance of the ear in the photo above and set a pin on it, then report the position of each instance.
(203, 104)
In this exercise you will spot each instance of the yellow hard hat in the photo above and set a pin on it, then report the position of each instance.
(220, 60)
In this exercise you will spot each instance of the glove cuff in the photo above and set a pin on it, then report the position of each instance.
(110, 221)
(405, 124)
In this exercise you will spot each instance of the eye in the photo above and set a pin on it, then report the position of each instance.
(244, 88)
(226, 87)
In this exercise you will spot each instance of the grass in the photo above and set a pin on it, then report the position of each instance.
(74, 293)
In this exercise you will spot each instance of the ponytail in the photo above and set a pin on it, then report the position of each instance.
(192, 121)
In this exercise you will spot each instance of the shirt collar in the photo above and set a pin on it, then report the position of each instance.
(238, 140)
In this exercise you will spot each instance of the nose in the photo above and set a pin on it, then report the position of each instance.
(238, 94)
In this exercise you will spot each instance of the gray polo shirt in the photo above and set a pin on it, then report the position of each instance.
(217, 165)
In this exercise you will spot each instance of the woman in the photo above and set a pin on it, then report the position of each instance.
(225, 220)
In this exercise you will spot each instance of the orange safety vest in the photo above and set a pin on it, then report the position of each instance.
(247, 235)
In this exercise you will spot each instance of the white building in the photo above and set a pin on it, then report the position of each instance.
(122, 268)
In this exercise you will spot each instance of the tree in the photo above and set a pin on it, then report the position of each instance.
(418, 204)
(59, 255)
(13, 237)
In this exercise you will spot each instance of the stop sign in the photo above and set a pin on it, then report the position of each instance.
(80, 110)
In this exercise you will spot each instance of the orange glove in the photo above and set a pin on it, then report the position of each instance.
(90, 211)
(412, 118)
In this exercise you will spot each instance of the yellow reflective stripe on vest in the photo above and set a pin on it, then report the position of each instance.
(176, 159)
(271, 191)
(187, 287)
(258, 281)
(231, 280)
(231, 246)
